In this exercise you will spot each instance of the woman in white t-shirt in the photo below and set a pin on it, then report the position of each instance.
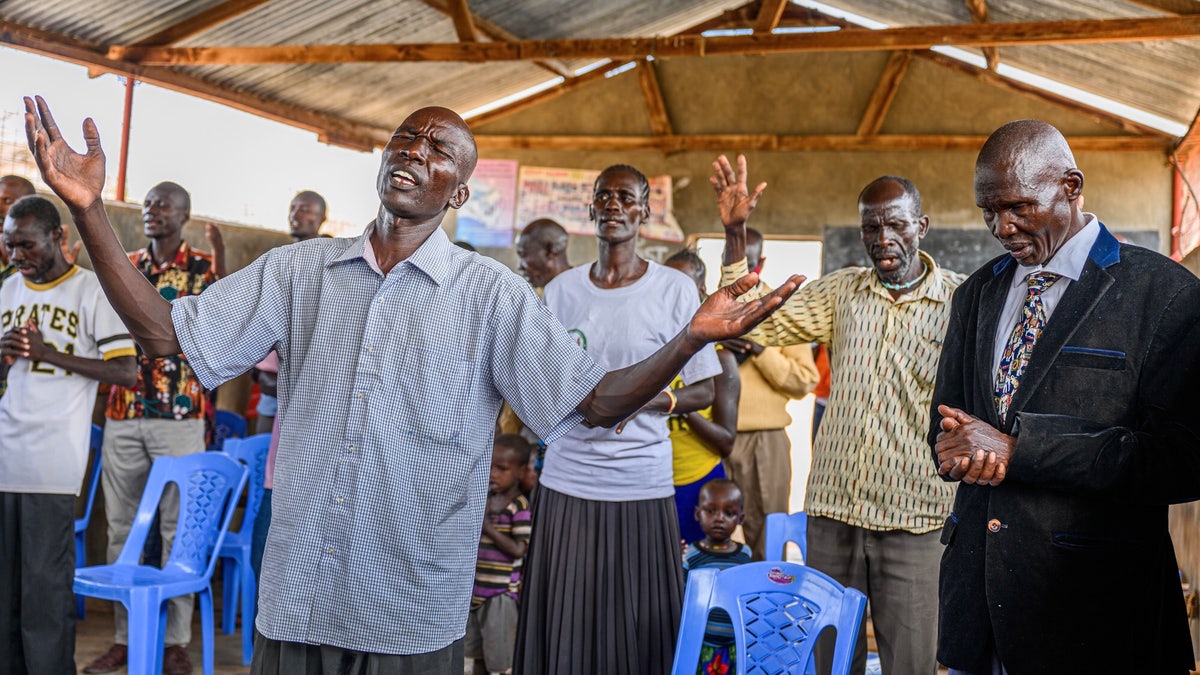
(603, 586)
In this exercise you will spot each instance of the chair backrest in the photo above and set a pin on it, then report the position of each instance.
(782, 528)
(777, 609)
(209, 483)
(93, 478)
(228, 425)
(253, 453)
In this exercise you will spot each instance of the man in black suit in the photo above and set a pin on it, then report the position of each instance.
(1066, 405)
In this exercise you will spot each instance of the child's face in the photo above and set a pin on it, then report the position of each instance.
(506, 470)
(719, 511)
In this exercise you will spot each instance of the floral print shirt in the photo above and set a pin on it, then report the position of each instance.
(166, 387)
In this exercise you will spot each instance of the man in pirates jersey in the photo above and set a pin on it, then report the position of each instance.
(61, 338)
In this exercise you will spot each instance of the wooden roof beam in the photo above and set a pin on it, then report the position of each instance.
(660, 122)
(907, 37)
(489, 30)
(979, 14)
(328, 129)
(805, 143)
(1189, 145)
(885, 91)
(1175, 7)
(464, 23)
(198, 23)
(569, 84)
(769, 14)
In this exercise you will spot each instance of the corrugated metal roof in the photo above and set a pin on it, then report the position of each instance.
(1158, 77)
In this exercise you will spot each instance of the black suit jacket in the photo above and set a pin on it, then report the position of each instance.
(1067, 566)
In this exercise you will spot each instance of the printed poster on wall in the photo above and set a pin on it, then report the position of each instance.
(488, 217)
(565, 194)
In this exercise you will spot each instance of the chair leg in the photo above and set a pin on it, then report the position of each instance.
(80, 561)
(229, 595)
(249, 608)
(147, 628)
(206, 629)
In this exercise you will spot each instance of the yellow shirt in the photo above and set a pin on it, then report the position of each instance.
(871, 465)
(691, 459)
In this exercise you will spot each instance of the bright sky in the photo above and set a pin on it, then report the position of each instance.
(237, 166)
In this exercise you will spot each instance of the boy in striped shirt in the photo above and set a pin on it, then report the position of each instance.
(492, 623)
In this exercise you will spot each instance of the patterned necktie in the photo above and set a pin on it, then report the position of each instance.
(1020, 343)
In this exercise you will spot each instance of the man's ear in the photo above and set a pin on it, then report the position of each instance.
(1073, 184)
(460, 196)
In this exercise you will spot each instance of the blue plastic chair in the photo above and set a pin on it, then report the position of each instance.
(209, 484)
(777, 609)
(81, 524)
(227, 425)
(237, 574)
(782, 528)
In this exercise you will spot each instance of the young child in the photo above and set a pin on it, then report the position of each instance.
(492, 623)
(719, 511)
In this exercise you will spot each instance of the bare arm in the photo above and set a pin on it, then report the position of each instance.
(511, 547)
(720, 432)
(216, 244)
(621, 392)
(78, 180)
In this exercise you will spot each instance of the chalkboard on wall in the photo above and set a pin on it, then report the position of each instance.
(956, 249)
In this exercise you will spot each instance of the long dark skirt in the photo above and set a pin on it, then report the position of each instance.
(602, 589)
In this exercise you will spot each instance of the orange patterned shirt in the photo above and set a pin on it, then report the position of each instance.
(166, 387)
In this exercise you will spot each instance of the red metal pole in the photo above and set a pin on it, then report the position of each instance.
(123, 161)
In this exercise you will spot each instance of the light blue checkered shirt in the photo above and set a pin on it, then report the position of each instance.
(389, 388)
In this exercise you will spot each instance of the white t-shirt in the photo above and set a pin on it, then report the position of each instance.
(46, 412)
(620, 327)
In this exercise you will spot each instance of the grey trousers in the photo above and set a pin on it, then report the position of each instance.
(37, 568)
(898, 572)
(272, 657)
(130, 447)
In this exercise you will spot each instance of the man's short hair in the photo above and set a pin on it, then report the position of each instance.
(689, 256)
(26, 185)
(315, 196)
(40, 209)
(548, 231)
(910, 190)
(171, 186)
(517, 444)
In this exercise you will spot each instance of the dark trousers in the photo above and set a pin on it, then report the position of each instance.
(37, 570)
(272, 657)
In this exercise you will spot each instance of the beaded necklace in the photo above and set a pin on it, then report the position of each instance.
(906, 286)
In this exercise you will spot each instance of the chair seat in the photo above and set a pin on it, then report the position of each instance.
(115, 582)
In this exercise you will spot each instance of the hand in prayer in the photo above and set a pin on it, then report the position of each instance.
(971, 450)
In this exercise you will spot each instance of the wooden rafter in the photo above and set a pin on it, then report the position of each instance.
(569, 84)
(908, 37)
(885, 91)
(1169, 6)
(328, 129)
(795, 15)
(660, 122)
(1189, 145)
(979, 14)
(769, 14)
(805, 143)
(213, 16)
(464, 22)
(489, 30)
